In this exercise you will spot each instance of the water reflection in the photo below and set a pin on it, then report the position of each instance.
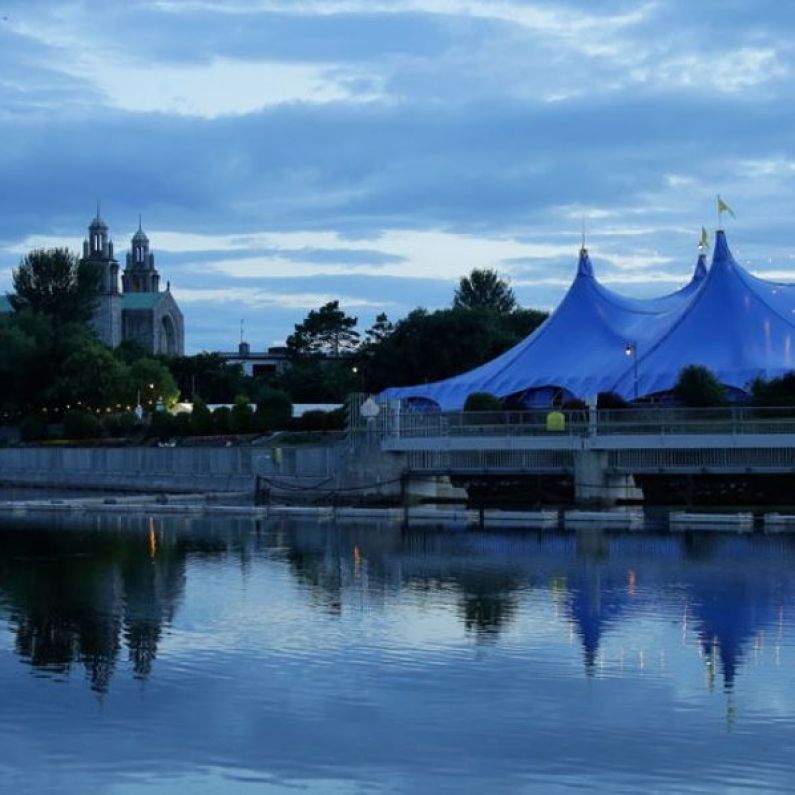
(81, 596)
(373, 642)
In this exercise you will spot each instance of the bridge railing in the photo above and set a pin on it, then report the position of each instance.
(629, 421)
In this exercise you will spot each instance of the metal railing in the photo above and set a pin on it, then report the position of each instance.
(734, 420)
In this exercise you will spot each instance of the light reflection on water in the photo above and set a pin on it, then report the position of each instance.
(155, 655)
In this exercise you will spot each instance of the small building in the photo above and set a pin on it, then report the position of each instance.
(272, 360)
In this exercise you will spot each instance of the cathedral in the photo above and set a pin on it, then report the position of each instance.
(141, 312)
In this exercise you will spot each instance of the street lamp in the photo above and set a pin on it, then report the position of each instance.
(631, 349)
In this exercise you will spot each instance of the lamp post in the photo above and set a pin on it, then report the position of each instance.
(631, 349)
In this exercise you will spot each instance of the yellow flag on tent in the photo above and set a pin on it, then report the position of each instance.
(724, 208)
(704, 242)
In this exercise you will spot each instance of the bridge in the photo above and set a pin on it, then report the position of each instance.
(604, 451)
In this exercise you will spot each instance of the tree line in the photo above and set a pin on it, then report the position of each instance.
(54, 369)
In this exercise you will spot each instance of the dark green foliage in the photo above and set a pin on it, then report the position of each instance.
(56, 284)
(33, 429)
(379, 331)
(482, 401)
(610, 400)
(430, 346)
(221, 417)
(484, 289)
(92, 376)
(207, 374)
(120, 424)
(241, 418)
(574, 404)
(698, 387)
(327, 331)
(336, 419)
(201, 419)
(153, 381)
(775, 392)
(314, 420)
(164, 425)
(81, 425)
(182, 424)
(274, 410)
(316, 380)
(130, 351)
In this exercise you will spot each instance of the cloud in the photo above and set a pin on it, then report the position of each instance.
(380, 150)
(222, 86)
(260, 299)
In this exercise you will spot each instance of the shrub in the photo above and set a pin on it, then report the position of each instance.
(182, 426)
(775, 392)
(274, 410)
(314, 420)
(698, 387)
(336, 419)
(482, 401)
(221, 420)
(119, 425)
(81, 425)
(201, 418)
(574, 404)
(32, 429)
(241, 418)
(164, 425)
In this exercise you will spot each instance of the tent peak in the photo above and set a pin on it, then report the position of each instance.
(584, 267)
(721, 253)
(701, 267)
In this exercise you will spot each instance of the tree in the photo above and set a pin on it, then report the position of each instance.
(274, 410)
(152, 381)
(428, 346)
(54, 282)
(484, 289)
(208, 375)
(698, 387)
(81, 425)
(381, 329)
(241, 418)
(775, 392)
(482, 401)
(327, 331)
(92, 377)
(201, 419)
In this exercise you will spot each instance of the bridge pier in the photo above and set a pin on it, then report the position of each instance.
(595, 485)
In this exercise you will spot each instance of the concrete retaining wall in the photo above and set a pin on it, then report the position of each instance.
(292, 474)
(131, 468)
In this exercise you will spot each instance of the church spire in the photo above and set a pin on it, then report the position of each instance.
(140, 274)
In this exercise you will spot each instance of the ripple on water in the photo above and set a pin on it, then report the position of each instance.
(351, 659)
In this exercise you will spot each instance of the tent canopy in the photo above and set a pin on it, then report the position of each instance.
(739, 326)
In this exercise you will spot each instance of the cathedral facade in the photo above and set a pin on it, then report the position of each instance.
(141, 312)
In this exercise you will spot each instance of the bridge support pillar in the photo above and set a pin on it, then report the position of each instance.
(594, 485)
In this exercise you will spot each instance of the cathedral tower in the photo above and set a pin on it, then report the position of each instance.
(140, 274)
(98, 251)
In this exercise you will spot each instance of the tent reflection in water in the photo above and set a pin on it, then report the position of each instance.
(737, 325)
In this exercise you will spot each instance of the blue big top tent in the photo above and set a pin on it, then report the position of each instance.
(739, 326)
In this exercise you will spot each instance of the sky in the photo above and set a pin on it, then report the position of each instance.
(284, 153)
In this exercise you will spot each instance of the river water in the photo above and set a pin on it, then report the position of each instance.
(160, 655)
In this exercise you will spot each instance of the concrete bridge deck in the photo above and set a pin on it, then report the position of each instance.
(602, 450)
